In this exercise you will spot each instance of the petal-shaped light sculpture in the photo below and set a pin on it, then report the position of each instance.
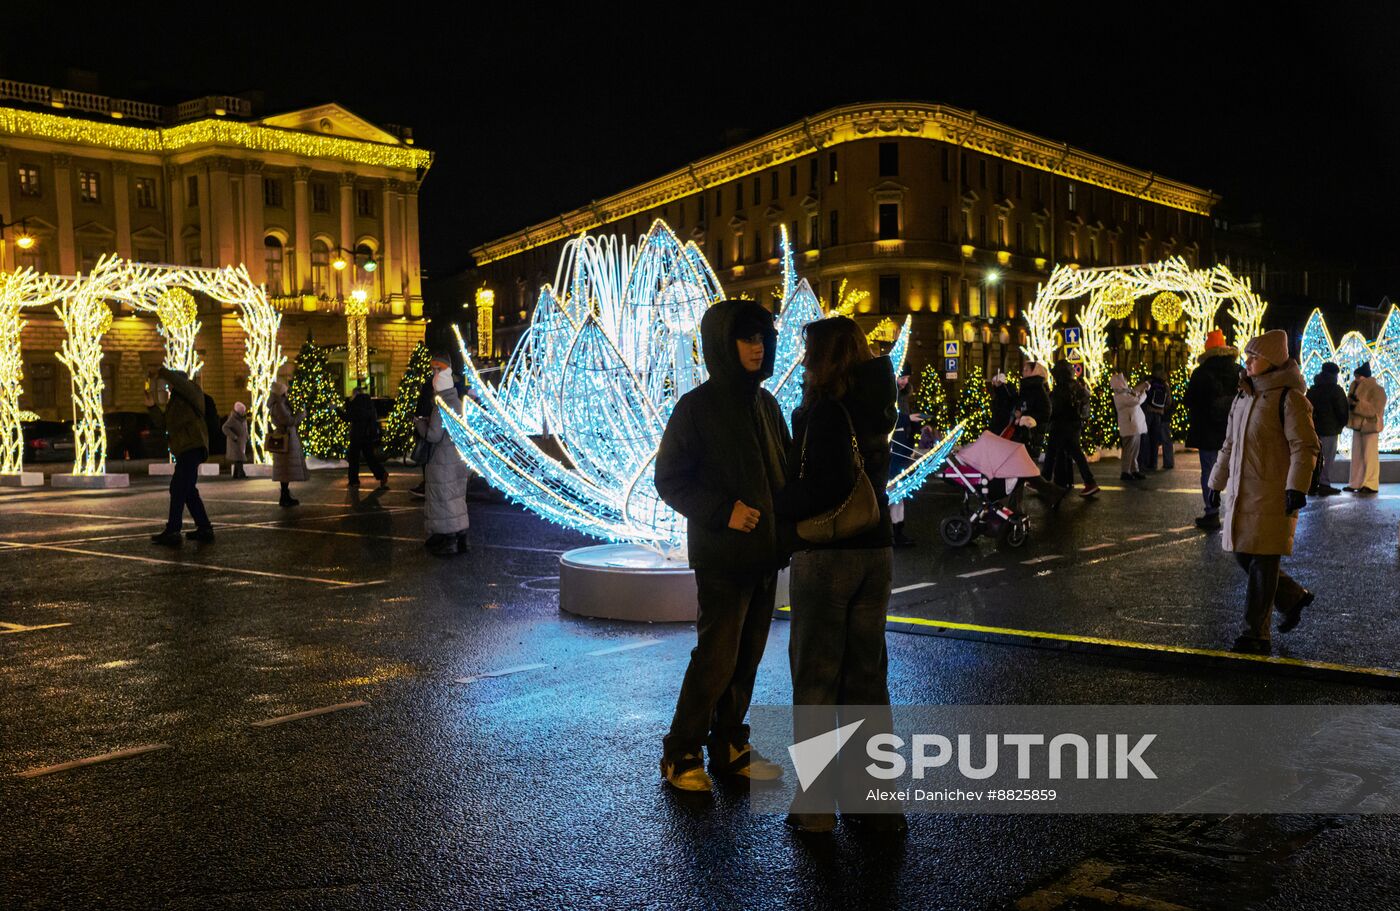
(572, 429)
(1383, 355)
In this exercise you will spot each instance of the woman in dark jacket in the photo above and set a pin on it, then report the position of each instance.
(1064, 452)
(1330, 413)
(840, 590)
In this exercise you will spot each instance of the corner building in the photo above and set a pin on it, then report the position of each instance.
(931, 211)
(207, 183)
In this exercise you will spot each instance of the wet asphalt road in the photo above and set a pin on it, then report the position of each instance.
(538, 789)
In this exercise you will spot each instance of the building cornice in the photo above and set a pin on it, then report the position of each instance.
(851, 123)
(212, 132)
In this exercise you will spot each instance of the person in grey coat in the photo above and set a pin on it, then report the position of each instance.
(236, 439)
(290, 465)
(445, 487)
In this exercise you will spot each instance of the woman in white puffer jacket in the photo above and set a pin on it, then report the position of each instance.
(1132, 423)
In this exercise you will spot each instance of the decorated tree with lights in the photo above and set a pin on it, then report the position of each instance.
(974, 408)
(1101, 430)
(398, 430)
(1179, 420)
(932, 401)
(324, 433)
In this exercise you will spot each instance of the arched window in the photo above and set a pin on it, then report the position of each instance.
(320, 268)
(272, 259)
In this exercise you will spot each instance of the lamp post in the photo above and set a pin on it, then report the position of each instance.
(23, 239)
(343, 257)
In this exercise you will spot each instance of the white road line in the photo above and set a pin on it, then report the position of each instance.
(1141, 550)
(623, 648)
(1182, 528)
(310, 713)
(93, 760)
(980, 572)
(910, 588)
(17, 628)
(1144, 537)
(205, 566)
(503, 672)
(1045, 559)
(1085, 550)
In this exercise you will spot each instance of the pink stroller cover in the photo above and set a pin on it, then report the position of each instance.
(997, 457)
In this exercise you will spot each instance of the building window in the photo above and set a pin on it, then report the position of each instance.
(192, 190)
(814, 231)
(982, 173)
(982, 226)
(272, 261)
(738, 195)
(1040, 238)
(963, 171)
(680, 214)
(88, 255)
(718, 250)
(833, 229)
(833, 175)
(835, 289)
(194, 256)
(145, 193)
(889, 221)
(364, 203)
(1002, 235)
(773, 186)
(29, 184)
(962, 297)
(947, 164)
(320, 268)
(320, 198)
(1020, 301)
(1020, 237)
(945, 227)
(1001, 178)
(363, 256)
(757, 244)
(272, 193)
(757, 189)
(889, 294)
(33, 258)
(1142, 217)
(778, 239)
(700, 210)
(1072, 205)
(815, 175)
(149, 255)
(88, 187)
(944, 289)
(1094, 248)
(967, 226)
(1020, 183)
(889, 159)
(792, 181)
(39, 385)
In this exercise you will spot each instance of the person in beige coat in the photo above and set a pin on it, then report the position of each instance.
(1264, 469)
(1367, 400)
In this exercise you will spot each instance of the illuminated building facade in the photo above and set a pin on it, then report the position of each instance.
(319, 204)
(929, 210)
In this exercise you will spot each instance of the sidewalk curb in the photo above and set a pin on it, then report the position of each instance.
(1216, 659)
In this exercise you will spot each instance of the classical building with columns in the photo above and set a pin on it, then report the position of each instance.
(317, 203)
(930, 211)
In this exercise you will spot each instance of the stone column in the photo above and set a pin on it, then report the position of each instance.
(222, 225)
(254, 259)
(63, 195)
(390, 267)
(175, 213)
(206, 225)
(301, 237)
(415, 279)
(121, 202)
(7, 212)
(347, 211)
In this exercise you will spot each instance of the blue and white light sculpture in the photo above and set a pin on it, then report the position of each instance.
(612, 346)
(1383, 355)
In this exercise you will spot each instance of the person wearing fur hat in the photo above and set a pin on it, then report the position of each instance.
(288, 460)
(235, 431)
(1265, 467)
(446, 475)
(1209, 395)
(1367, 398)
(1330, 412)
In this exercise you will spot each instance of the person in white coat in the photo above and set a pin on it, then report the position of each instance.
(445, 483)
(1367, 400)
(1132, 423)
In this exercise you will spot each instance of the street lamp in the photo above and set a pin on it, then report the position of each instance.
(23, 239)
(341, 261)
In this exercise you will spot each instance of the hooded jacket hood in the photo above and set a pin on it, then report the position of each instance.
(1221, 351)
(1288, 376)
(717, 343)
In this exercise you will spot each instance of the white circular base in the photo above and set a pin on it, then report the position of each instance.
(626, 582)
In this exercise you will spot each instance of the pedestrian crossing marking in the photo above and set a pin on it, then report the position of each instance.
(909, 588)
(1096, 547)
(503, 672)
(1045, 559)
(980, 572)
(1143, 537)
(93, 760)
(310, 713)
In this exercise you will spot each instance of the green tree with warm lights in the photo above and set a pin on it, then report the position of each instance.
(324, 433)
(932, 401)
(1179, 421)
(1101, 430)
(974, 408)
(398, 429)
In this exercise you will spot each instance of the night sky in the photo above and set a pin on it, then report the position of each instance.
(529, 117)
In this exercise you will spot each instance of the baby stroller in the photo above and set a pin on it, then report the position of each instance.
(989, 473)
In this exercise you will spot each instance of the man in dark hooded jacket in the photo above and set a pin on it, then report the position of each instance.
(183, 421)
(1330, 413)
(720, 463)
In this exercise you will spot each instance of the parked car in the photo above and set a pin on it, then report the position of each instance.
(48, 441)
(132, 435)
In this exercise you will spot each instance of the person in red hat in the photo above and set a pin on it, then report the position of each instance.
(1209, 395)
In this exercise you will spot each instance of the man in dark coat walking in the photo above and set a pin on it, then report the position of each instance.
(364, 436)
(1209, 395)
(183, 421)
(1330, 413)
(720, 463)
